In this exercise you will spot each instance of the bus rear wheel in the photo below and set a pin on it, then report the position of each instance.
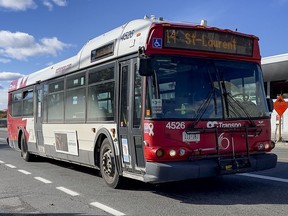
(24, 149)
(108, 167)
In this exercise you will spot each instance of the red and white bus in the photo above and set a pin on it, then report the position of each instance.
(152, 100)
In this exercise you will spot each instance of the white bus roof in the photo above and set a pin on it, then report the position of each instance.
(126, 39)
(120, 41)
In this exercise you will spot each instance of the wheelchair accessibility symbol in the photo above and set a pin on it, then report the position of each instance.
(157, 43)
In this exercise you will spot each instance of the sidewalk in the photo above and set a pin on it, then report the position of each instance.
(281, 144)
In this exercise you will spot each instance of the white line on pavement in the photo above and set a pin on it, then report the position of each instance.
(264, 177)
(106, 208)
(24, 171)
(282, 159)
(43, 180)
(68, 191)
(10, 165)
(2, 161)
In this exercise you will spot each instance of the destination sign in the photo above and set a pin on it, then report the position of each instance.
(208, 40)
(102, 52)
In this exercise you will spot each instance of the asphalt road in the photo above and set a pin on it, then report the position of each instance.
(48, 187)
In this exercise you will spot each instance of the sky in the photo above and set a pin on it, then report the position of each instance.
(37, 33)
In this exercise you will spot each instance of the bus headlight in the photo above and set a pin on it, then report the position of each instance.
(172, 152)
(264, 146)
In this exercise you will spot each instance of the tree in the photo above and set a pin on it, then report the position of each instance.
(3, 114)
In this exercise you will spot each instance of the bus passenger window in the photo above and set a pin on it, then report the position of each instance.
(28, 103)
(100, 99)
(75, 105)
(55, 107)
(16, 104)
(101, 75)
(55, 101)
(137, 99)
(75, 81)
(124, 97)
(45, 94)
(100, 104)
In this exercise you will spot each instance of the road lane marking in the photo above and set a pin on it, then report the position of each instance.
(2, 161)
(10, 165)
(43, 180)
(24, 172)
(264, 177)
(68, 191)
(106, 208)
(282, 159)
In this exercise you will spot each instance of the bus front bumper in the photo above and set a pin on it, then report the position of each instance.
(184, 170)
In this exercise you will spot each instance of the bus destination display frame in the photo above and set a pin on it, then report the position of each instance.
(208, 41)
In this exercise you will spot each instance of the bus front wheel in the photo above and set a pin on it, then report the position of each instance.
(24, 149)
(108, 167)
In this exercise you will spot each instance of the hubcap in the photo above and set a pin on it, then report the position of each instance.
(107, 163)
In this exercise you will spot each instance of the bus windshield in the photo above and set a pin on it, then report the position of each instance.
(197, 88)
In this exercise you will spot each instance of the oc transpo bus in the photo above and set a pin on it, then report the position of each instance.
(152, 100)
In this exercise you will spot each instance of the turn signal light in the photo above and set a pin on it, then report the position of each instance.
(260, 147)
(159, 153)
(182, 152)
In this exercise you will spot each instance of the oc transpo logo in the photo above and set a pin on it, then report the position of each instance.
(212, 124)
(223, 142)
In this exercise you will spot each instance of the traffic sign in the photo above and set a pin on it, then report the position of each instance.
(280, 105)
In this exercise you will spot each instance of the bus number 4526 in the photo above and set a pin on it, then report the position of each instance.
(175, 125)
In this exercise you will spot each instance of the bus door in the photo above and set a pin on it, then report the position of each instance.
(130, 132)
(38, 119)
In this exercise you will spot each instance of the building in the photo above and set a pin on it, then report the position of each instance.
(275, 71)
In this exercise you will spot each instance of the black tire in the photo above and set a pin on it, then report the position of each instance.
(27, 156)
(108, 167)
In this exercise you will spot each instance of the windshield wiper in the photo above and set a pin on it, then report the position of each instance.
(228, 104)
(214, 91)
(203, 107)
(252, 123)
(225, 95)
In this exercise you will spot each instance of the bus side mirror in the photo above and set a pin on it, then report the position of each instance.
(270, 104)
(144, 63)
(144, 67)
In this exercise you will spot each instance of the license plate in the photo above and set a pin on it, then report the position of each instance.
(228, 167)
(193, 137)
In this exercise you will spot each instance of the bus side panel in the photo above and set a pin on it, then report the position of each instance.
(13, 126)
(30, 135)
(72, 142)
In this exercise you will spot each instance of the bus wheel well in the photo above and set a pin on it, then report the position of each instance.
(97, 149)
(19, 138)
